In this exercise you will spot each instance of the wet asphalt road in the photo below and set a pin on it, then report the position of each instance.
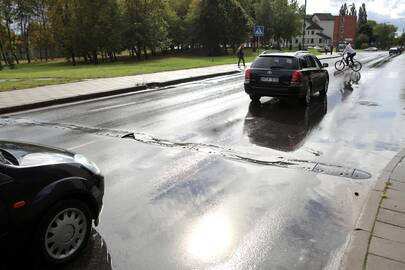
(197, 177)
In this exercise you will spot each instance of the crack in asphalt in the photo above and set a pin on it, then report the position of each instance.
(211, 149)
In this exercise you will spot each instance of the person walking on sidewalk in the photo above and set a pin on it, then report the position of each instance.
(241, 55)
(331, 49)
(350, 53)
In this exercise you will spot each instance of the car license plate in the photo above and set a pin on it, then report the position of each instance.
(269, 79)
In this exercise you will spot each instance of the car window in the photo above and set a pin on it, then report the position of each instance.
(318, 63)
(303, 63)
(310, 62)
(281, 62)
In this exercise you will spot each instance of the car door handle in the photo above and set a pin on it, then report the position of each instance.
(5, 179)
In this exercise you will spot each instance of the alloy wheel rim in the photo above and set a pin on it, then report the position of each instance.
(65, 233)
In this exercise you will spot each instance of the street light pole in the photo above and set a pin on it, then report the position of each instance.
(303, 26)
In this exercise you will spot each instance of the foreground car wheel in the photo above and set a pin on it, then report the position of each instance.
(63, 232)
(255, 98)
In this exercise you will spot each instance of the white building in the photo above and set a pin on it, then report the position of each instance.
(318, 31)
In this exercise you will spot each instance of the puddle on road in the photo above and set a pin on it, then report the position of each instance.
(306, 165)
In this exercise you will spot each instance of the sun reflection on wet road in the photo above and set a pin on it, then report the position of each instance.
(210, 238)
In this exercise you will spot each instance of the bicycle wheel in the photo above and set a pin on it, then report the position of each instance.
(340, 65)
(357, 66)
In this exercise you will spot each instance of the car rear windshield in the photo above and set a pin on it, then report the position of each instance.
(281, 62)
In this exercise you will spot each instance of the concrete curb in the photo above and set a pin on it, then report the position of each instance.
(356, 251)
(59, 101)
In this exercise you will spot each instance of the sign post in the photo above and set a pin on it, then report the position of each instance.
(257, 33)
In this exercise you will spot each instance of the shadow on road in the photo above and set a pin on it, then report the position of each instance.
(283, 125)
(95, 256)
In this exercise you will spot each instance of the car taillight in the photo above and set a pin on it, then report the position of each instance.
(247, 75)
(296, 76)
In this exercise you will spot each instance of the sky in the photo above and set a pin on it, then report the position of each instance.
(388, 11)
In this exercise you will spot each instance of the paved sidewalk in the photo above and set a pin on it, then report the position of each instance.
(12, 101)
(378, 241)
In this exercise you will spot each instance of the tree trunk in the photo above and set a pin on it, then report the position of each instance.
(95, 58)
(16, 58)
(72, 54)
(90, 58)
(86, 60)
(27, 52)
(3, 54)
(12, 52)
(27, 45)
(145, 52)
(46, 53)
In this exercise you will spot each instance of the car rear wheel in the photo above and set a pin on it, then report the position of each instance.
(63, 232)
(325, 88)
(255, 98)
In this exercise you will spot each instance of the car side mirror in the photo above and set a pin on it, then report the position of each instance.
(325, 65)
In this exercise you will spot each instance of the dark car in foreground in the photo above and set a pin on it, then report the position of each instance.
(48, 200)
(286, 75)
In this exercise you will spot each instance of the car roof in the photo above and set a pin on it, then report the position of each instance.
(284, 54)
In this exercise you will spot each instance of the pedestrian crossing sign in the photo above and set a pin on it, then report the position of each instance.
(259, 31)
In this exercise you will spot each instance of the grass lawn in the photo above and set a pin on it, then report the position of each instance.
(56, 72)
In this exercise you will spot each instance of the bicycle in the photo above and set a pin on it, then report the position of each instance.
(341, 64)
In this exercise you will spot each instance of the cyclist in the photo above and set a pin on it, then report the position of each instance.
(350, 53)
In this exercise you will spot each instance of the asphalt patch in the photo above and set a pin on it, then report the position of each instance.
(210, 149)
(368, 103)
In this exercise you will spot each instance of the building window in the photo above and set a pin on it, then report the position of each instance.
(312, 41)
(312, 32)
(320, 40)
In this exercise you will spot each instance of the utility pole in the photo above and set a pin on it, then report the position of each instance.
(304, 26)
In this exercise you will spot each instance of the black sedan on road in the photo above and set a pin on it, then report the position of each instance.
(286, 75)
(48, 200)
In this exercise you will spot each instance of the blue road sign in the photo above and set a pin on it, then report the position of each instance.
(259, 30)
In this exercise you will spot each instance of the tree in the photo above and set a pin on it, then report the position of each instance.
(362, 41)
(24, 14)
(401, 39)
(7, 15)
(282, 19)
(384, 35)
(264, 16)
(3, 42)
(212, 25)
(238, 24)
(145, 25)
(343, 10)
(353, 11)
(362, 15)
